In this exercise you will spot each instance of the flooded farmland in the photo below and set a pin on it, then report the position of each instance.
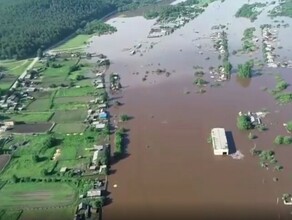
(170, 170)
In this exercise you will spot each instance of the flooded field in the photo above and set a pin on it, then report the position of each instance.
(170, 170)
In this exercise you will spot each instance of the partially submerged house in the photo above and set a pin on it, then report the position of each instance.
(219, 141)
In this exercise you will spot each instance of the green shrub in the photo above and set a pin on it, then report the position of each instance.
(244, 123)
(245, 70)
(289, 126)
(287, 140)
(279, 140)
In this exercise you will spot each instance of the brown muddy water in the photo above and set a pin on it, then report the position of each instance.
(170, 170)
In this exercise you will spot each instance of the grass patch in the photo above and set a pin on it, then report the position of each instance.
(15, 67)
(248, 44)
(75, 151)
(22, 163)
(31, 117)
(69, 116)
(57, 75)
(69, 92)
(250, 11)
(36, 195)
(71, 103)
(48, 214)
(70, 128)
(39, 105)
(284, 9)
(78, 41)
(11, 215)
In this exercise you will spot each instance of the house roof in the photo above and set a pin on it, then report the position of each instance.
(219, 139)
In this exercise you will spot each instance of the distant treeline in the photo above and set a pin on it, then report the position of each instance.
(27, 25)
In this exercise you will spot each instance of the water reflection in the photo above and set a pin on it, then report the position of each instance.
(245, 83)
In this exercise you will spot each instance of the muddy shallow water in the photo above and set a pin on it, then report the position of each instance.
(171, 170)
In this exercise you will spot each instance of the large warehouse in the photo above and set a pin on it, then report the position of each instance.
(219, 141)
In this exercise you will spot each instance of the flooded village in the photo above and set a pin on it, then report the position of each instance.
(182, 117)
(168, 147)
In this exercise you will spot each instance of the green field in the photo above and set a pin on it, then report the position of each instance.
(40, 105)
(77, 42)
(49, 214)
(83, 91)
(71, 103)
(8, 214)
(23, 164)
(36, 195)
(57, 75)
(15, 67)
(69, 128)
(72, 146)
(69, 116)
(84, 82)
(30, 117)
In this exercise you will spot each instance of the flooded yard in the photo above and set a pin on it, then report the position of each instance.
(171, 170)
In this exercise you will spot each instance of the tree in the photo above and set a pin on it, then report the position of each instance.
(227, 67)
(79, 77)
(45, 172)
(289, 126)
(287, 140)
(15, 179)
(279, 140)
(244, 123)
(50, 141)
(40, 53)
(245, 70)
(124, 117)
(35, 158)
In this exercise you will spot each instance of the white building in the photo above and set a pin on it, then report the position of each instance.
(219, 141)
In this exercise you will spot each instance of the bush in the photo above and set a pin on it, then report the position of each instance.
(279, 140)
(227, 67)
(244, 123)
(245, 70)
(124, 117)
(289, 126)
(15, 179)
(287, 140)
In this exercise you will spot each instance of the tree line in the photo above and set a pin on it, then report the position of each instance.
(28, 25)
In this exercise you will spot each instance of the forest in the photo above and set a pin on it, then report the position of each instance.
(28, 25)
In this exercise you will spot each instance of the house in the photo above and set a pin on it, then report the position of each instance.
(100, 86)
(102, 168)
(94, 193)
(95, 157)
(219, 141)
(63, 169)
(81, 211)
(102, 105)
(102, 115)
(99, 125)
(9, 124)
(98, 147)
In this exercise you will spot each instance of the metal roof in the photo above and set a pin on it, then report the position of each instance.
(219, 139)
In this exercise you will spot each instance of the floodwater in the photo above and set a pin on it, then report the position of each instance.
(170, 170)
